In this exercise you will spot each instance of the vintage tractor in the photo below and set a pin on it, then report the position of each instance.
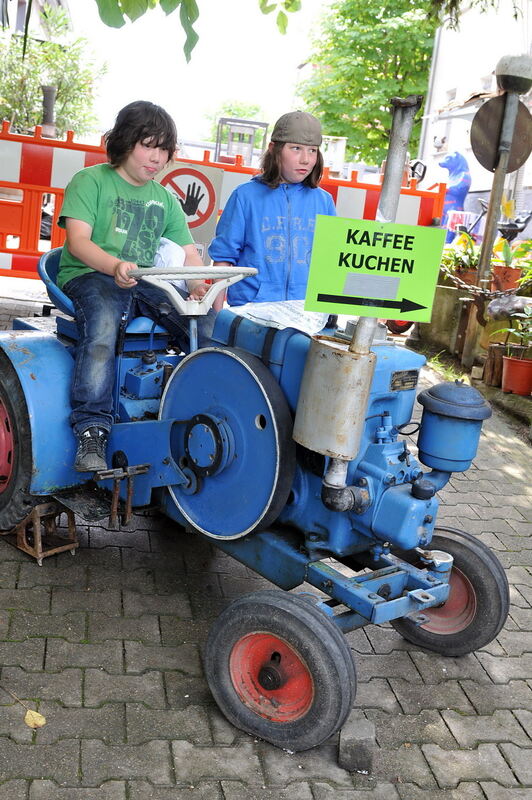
(285, 450)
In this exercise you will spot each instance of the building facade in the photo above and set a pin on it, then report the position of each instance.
(462, 79)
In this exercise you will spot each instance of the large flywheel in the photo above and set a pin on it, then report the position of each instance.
(232, 437)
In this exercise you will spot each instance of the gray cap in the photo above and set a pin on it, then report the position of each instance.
(299, 127)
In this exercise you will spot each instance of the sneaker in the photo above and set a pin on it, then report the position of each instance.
(90, 455)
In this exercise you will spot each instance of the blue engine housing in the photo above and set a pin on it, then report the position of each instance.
(151, 429)
(213, 433)
(379, 462)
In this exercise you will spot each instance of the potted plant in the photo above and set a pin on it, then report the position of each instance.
(526, 269)
(508, 264)
(461, 258)
(517, 363)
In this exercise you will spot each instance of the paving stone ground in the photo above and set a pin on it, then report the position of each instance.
(108, 646)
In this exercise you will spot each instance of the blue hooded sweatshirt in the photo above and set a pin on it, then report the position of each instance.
(271, 230)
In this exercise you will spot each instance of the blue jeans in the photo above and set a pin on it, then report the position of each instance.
(101, 309)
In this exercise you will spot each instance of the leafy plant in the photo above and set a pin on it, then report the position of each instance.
(520, 255)
(112, 12)
(526, 275)
(520, 328)
(503, 251)
(448, 370)
(463, 254)
(451, 10)
(58, 61)
(444, 363)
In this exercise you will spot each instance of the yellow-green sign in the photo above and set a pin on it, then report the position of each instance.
(374, 269)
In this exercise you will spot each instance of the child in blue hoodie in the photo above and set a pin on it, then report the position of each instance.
(269, 222)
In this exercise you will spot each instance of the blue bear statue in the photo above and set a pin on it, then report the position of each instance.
(457, 186)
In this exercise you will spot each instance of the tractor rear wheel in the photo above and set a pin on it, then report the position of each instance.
(15, 449)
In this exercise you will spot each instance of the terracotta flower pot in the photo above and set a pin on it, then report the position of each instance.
(468, 276)
(503, 277)
(517, 375)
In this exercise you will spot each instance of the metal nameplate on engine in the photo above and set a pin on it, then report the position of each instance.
(404, 379)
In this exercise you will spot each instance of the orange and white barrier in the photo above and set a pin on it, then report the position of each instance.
(30, 168)
(34, 166)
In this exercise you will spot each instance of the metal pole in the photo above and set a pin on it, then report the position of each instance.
(402, 122)
(492, 217)
(48, 110)
(404, 111)
(193, 333)
(425, 122)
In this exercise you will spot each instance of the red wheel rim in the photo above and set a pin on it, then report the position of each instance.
(254, 652)
(459, 609)
(6, 448)
(401, 324)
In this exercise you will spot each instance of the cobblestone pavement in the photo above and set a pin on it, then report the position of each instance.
(107, 645)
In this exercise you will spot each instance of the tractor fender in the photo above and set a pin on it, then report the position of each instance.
(44, 368)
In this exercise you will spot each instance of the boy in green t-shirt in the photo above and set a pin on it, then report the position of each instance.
(115, 215)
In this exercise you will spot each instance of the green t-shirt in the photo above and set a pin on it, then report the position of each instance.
(127, 221)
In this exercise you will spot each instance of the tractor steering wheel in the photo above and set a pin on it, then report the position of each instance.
(224, 277)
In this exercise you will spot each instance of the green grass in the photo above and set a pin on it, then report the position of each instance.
(444, 363)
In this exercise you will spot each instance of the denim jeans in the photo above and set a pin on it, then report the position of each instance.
(101, 309)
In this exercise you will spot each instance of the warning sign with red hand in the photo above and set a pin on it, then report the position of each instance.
(195, 191)
(198, 189)
(192, 200)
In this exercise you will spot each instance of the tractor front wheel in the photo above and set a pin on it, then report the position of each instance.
(478, 602)
(280, 669)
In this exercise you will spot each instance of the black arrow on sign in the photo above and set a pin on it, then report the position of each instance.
(403, 305)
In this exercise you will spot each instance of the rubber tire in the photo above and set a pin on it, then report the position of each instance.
(15, 500)
(487, 580)
(397, 326)
(318, 643)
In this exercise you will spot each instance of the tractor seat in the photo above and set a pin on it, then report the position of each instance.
(48, 267)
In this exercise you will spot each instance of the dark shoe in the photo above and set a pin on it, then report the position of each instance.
(90, 455)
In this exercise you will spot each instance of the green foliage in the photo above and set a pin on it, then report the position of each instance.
(521, 256)
(444, 363)
(114, 12)
(238, 110)
(519, 329)
(368, 52)
(518, 254)
(60, 62)
(449, 11)
(283, 7)
(507, 254)
(463, 254)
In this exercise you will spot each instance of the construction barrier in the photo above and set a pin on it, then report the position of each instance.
(34, 169)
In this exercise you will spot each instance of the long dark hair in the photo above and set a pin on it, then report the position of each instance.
(140, 121)
(271, 168)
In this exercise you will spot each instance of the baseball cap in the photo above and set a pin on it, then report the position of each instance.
(299, 127)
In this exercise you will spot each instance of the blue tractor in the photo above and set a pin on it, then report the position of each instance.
(285, 449)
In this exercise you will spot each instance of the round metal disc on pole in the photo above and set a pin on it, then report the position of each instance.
(485, 134)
